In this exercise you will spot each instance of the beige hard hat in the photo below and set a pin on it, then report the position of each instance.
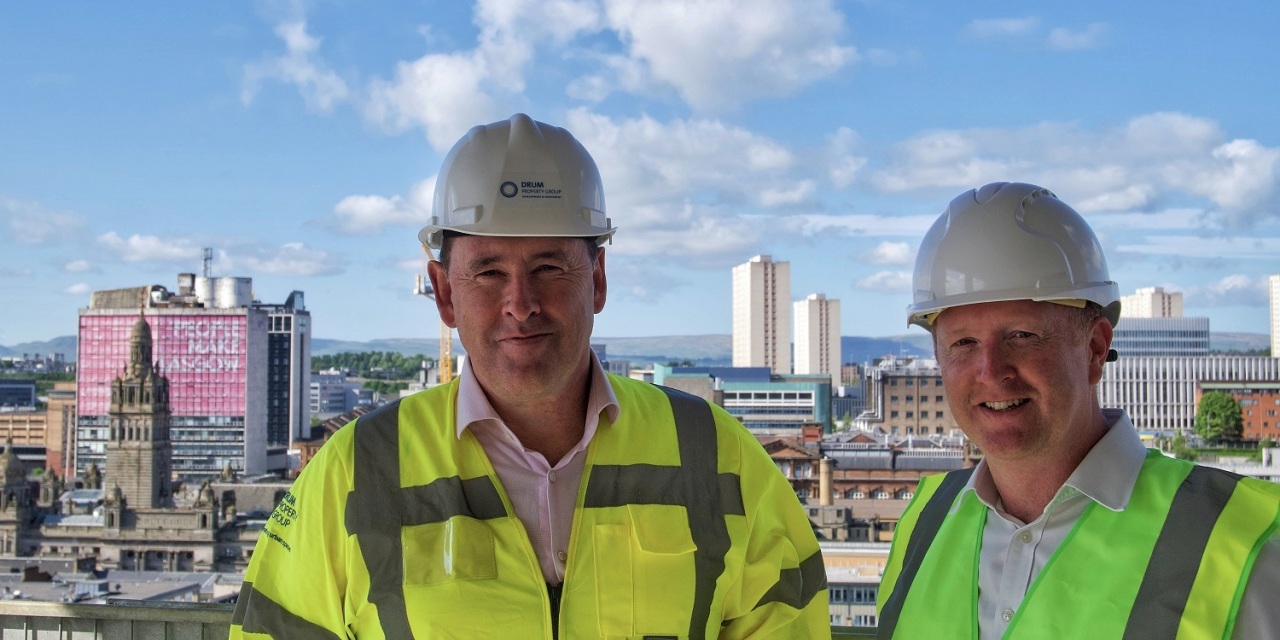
(1009, 241)
(518, 177)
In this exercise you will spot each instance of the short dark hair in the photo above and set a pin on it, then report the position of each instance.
(448, 236)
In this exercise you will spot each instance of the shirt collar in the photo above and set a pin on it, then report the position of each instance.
(1106, 475)
(473, 405)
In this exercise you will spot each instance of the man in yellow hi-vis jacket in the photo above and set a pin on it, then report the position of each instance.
(535, 496)
(1069, 527)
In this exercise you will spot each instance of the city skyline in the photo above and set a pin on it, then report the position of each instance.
(300, 141)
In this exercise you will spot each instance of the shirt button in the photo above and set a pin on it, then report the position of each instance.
(551, 476)
(562, 556)
(1007, 615)
(1025, 537)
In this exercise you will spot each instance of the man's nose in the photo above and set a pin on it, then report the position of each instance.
(520, 298)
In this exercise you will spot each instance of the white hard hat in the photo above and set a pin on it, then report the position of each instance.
(1009, 241)
(518, 177)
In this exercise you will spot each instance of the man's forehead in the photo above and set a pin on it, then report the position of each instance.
(990, 313)
(468, 248)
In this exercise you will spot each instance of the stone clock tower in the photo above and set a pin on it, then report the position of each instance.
(139, 451)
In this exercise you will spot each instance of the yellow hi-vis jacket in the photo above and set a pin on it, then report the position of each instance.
(398, 529)
(1172, 564)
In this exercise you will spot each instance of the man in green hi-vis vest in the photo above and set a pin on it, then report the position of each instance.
(1068, 527)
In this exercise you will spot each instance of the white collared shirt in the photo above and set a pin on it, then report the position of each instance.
(542, 495)
(1013, 553)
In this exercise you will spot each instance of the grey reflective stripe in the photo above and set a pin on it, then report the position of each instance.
(378, 507)
(446, 498)
(374, 514)
(256, 613)
(696, 435)
(706, 494)
(796, 587)
(922, 535)
(1175, 560)
(616, 485)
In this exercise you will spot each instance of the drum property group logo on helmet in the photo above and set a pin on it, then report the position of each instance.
(530, 189)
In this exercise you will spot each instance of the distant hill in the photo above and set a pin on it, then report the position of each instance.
(66, 345)
(1239, 342)
(705, 350)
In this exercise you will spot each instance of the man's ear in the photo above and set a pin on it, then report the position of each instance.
(443, 292)
(601, 284)
(1099, 347)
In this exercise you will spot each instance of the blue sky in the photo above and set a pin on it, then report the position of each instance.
(300, 141)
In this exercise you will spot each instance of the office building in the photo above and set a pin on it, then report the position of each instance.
(1161, 337)
(765, 403)
(1259, 406)
(905, 397)
(333, 394)
(144, 520)
(239, 373)
(1159, 393)
(1274, 282)
(817, 346)
(762, 314)
(17, 393)
(1151, 302)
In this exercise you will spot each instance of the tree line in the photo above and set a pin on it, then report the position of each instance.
(377, 365)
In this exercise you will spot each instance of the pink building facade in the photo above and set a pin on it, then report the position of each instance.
(216, 363)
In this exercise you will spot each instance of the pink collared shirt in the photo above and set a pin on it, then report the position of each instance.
(543, 496)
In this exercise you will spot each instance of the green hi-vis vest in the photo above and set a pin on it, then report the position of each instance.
(399, 529)
(1173, 564)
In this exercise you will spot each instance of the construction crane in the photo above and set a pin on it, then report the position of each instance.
(422, 287)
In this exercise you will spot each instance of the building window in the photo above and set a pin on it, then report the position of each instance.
(893, 414)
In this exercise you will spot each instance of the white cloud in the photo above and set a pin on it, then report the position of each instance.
(369, 214)
(721, 53)
(1091, 37)
(144, 248)
(291, 259)
(643, 160)
(32, 224)
(1240, 177)
(1154, 160)
(1190, 246)
(815, 224)
(1002, 27)
(886, 282)
(77, 266)
(800, 192)
(78, 289)
(300, 66)
(896, 253)
(444, 94)
(1232, 290)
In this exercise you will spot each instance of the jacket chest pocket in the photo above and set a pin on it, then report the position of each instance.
(645, 573)
(460, 548)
